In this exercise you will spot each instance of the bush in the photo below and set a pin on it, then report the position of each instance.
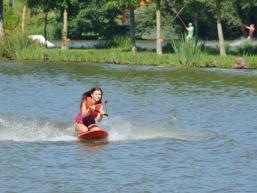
(122, 42)
(168, 47)
(189, 52)
(247, 48)
(10, 44)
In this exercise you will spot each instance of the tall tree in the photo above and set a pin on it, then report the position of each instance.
(65, 30)
(131, 6)
(194, 9)
(1, 18)
(132, 27)
(46, 6)
(247, 10)
(219, 28)
(215, 7)
(91, 19)
(62, 6)
(23, 18)
(11, 3)
(158, 28)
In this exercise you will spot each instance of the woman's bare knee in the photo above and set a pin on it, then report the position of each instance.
(80, 128)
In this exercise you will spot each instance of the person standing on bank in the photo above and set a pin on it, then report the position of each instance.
(251, 29)
(190, 30)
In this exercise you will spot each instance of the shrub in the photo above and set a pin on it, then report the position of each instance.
(189, 52)
(247, 48)
(121, 42)
(10, 44)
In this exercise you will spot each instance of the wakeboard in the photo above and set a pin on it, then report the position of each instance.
(93, 135)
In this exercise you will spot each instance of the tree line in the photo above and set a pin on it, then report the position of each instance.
(155, 19)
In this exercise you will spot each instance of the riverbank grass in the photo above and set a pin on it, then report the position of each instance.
(121, 56)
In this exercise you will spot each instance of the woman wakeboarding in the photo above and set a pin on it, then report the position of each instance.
(91, 111)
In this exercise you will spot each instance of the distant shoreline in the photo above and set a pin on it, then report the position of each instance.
(150, 44)
(121, 56)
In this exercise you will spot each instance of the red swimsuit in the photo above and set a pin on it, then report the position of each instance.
(89, 120)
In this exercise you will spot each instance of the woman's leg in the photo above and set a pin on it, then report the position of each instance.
(93, 127)
(80, 128)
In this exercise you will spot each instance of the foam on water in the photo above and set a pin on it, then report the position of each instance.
(32, 129)
(38, 129)
(124, 130)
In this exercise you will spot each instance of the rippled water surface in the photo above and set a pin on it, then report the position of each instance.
(171, 130)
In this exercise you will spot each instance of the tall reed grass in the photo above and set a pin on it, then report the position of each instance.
(188, 51)
(11, 44)
(121, 42)
(247, 48)
(187, 54)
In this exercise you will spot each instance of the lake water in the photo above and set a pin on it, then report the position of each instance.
(171, 130)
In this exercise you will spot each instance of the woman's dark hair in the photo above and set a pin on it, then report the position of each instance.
(89, 93)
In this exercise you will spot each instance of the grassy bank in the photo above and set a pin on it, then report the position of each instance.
(179, 53)
(121, 56)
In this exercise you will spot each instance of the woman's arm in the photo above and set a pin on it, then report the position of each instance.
(100, 115)
(84, 110)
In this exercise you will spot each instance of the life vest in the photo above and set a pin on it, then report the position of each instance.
(97, 107)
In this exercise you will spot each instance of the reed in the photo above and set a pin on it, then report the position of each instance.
(188, 51)
(247, 48)
(118, 56)
(10, 45)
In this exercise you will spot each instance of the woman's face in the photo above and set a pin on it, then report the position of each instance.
(96, 95)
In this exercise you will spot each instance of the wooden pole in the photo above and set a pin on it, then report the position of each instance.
(1, 18)
(45, 29)
(219, 28)
(132, 29)
(23, 19)
(11, 3)
(158, 28)
(65, 29)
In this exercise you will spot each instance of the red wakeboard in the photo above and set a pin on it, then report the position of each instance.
(93, 135)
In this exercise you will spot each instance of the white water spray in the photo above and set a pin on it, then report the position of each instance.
(30, 130)
(35, 129)
(123, 130)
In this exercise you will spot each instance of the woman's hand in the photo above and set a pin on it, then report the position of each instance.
(102, 113)
(92, 108)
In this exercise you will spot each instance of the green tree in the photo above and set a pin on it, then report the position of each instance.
(158, 27)
(215, 6)
(194, 10)
(246, 10)
(132, 23)
(10, 3)
(219, 28)
(146, 22)
(91, 19)
(46, 6)
(131, 5)
(1, 18)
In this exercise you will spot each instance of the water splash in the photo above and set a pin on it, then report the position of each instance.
(33, 129)
(123, 130)
(39, 129)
